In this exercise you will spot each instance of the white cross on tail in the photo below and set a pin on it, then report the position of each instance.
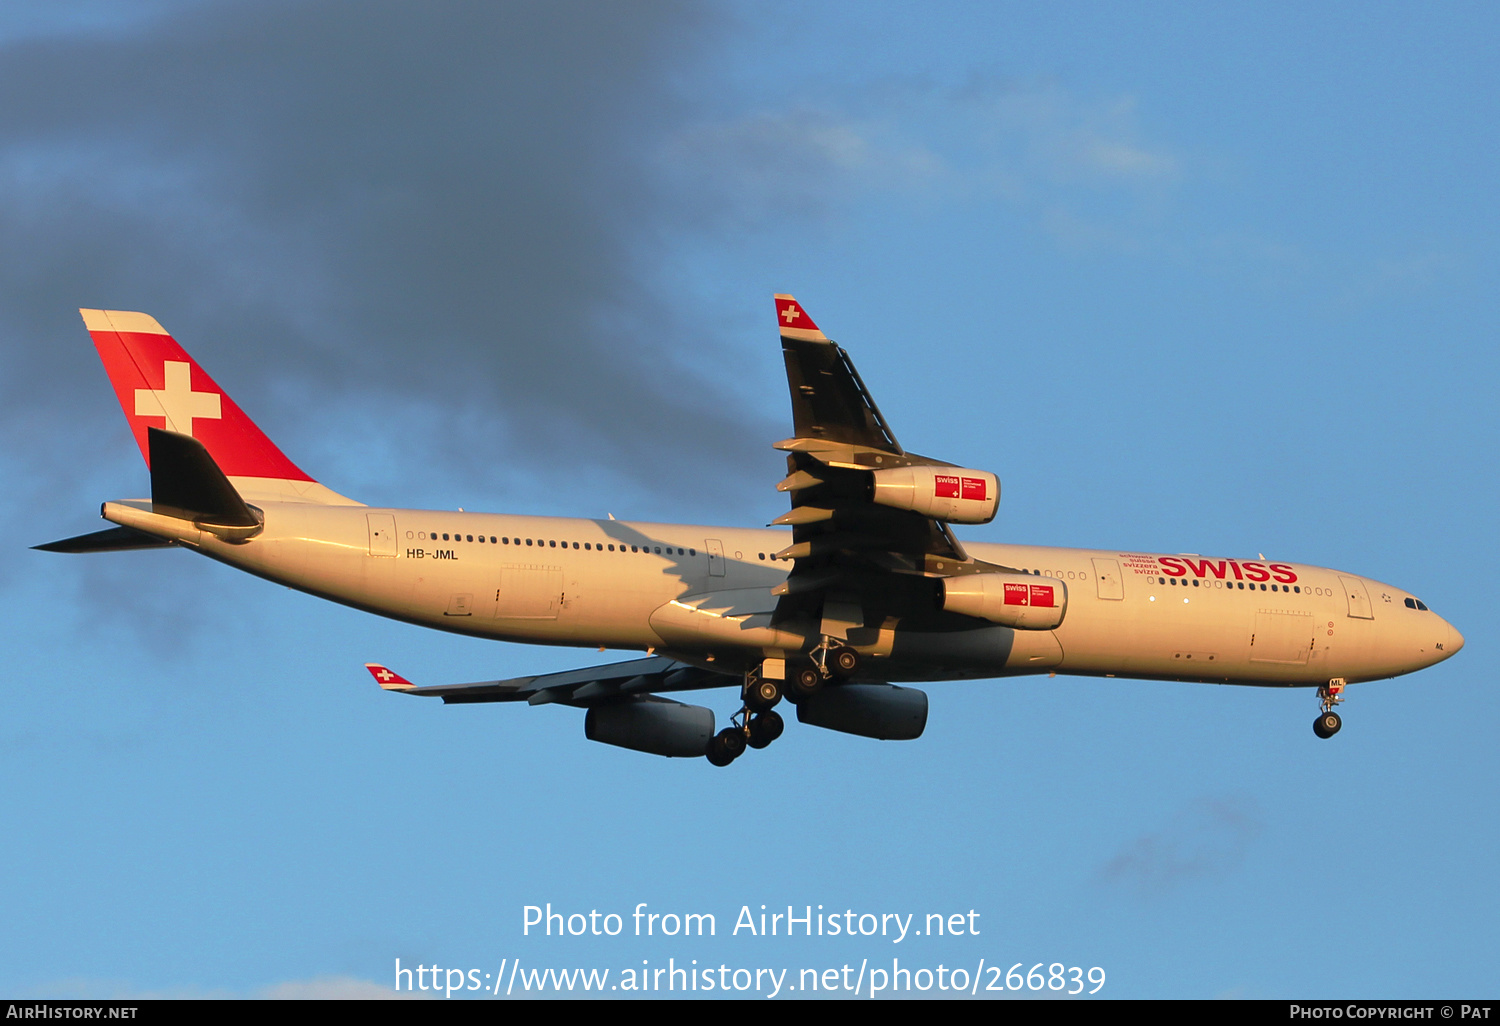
(176, 400)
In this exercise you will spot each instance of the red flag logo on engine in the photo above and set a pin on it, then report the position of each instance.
(1018, 594)
(945, 486)
(1041, 595)
(974, 488)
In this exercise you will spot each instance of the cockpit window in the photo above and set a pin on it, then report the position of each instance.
(1412, 603)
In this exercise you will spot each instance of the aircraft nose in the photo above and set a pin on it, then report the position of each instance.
(1455, 640)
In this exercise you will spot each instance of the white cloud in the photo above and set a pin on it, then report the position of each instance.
(325, 988)
(1066, 160)
(802, 160)
(1207, 839)
(332, 988)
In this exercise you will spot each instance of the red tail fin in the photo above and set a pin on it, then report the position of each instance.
(160, 385)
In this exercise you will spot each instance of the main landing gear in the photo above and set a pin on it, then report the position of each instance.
(831, 663)
(744, 731)
(1329, 695)
(757, 723)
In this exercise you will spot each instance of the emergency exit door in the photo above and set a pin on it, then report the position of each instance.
(382, 534)
(1107, 574)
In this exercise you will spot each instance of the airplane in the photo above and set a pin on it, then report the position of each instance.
(860, 588)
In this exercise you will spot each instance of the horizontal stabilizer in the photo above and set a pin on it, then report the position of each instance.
(187, 483)
(114, 539)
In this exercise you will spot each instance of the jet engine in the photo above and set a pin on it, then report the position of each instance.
(944, 493)
(647, 723)
(1022, 601)
(882, 711)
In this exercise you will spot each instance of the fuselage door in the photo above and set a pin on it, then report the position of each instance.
(715, 557)
(529, 592)
(382, 534)
(1107, 573)
(1281, 637)
(1359, 599)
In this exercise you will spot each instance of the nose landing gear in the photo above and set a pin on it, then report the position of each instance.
(1329, 695)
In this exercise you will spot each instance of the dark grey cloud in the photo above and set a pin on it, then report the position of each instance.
(452, 210)
(1206, 839)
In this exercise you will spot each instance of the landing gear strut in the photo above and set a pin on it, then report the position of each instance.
(757, 723)
(1329, 695)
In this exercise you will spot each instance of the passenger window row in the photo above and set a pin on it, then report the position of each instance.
(1232, 585)
(551, 543)
(1059, 574)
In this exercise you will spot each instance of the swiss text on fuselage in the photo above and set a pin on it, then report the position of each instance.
(1226, 569)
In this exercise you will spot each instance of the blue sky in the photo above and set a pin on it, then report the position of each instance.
(1187, 278)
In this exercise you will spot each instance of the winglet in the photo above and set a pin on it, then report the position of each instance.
(390, 680)
(794, 321)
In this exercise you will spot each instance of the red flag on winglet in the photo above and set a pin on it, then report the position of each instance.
(794, 321)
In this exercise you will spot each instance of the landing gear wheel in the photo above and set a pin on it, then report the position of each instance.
(765, 728)
(807, 682)
(727, 745)
(763, 696)
(845, 661)
(732, 742)
(1327, 724)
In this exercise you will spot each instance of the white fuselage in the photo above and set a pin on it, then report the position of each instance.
(703, 594)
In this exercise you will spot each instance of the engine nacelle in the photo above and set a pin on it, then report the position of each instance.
(647, 723)
(943, 493)
(1022, 601)
(882, 711)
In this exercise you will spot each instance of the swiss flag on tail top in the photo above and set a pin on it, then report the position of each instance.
(794, 321)
(159, 385)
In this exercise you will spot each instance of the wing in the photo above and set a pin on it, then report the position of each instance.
(870, 534)
(589, 686)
